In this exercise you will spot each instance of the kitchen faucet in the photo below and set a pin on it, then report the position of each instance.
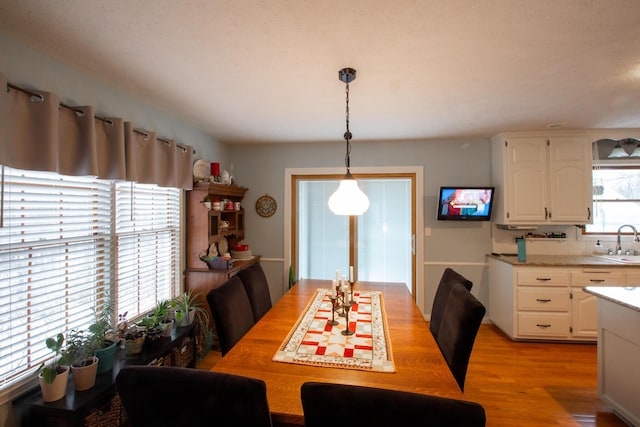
(635, 237)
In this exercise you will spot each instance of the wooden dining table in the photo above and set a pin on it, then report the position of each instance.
(420, 367)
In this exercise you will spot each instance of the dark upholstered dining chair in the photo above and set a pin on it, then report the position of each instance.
(341, 405)
(168, 396)
(461, 320)
(231, 312)
(257, 287)
(449, 278)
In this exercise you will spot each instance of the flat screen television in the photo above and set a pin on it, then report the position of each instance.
(465, 203)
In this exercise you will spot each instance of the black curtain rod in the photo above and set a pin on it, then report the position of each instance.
(78, 111)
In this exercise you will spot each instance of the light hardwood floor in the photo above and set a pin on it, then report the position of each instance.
(529, 384)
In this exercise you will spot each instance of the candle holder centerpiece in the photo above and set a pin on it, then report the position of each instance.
(341, 302)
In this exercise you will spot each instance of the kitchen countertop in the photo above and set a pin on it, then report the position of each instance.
(626, 296)
(561, 260)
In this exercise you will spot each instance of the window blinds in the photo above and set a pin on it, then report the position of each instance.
(148, 237)
(65, 242)
(54, 256)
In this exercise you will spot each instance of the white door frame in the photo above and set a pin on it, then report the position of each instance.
(419, 204)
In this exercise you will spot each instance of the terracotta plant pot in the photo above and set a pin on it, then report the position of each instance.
(84, 377)
(57, 389)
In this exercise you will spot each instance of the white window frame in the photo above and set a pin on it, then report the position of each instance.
(589, 229)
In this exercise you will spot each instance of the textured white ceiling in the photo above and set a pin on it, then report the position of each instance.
(267, 70)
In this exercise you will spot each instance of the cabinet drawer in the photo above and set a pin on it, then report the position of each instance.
(544, 278)
(532, 325)
(543, 299)
(633, 279)
(598, 279)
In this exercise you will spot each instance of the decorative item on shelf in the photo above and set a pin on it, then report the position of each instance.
(215, 169)
(266, 206)
(217, 205)
(348, 199)
(223, 246)
(241, 252)
(200, 171)
(225, 178)
(207, 203)
(218, 263)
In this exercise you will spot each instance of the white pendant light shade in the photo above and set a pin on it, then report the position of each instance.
(348, 199)
(618, 152)
(636, 152)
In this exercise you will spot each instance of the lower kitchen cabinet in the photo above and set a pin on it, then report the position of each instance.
(547, 302)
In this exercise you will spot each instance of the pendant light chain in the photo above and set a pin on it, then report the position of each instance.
(347, 134)
(348, 199)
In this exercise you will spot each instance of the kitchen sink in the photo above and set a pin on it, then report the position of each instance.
(624, 259)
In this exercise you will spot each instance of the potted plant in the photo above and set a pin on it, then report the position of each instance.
(151, 325)
(134, 338)
(105, 338)
(165, 315)
(53, 378)
(188, 307)
(80, 350)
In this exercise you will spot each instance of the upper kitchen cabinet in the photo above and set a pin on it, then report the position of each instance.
(542, 178)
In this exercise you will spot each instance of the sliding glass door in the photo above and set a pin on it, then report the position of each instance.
(379, 243)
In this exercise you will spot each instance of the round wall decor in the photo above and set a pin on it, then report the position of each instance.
(266, 206)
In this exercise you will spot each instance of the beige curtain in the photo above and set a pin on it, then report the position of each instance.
(39, 133)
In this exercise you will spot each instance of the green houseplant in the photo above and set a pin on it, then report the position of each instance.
(53, 377)
(189, 308)
(80, 350)
(164, 314)
(105, 340)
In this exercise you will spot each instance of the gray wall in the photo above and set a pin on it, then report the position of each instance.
(463, 246)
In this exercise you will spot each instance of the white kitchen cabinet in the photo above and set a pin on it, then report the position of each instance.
(530, 302)
(584, 311)
(542, 178)
(548, 302)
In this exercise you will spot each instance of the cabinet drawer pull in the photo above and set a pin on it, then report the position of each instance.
(543, 300)
(543, 325)
(596, 280)
(543, 279)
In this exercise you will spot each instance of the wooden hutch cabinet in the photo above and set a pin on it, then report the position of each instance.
(205, 227)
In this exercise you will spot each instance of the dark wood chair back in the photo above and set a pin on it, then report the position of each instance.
(231, 312)
(341, 405)
(170, 396)
(461, 320)
(449, 278)
(257, 288)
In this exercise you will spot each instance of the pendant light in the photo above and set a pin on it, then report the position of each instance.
(348, 199)
(618, 152)
(636, 151)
